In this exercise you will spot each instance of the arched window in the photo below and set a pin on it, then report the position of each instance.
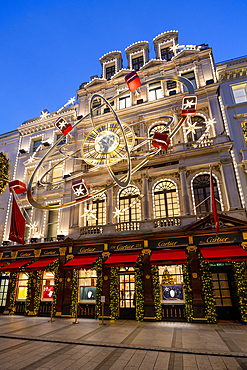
(128, 200)
(165, 199)
(98, 207)
(201, 190)
(194, 128)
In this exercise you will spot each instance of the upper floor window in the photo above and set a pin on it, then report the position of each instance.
(190, 76)
(166, 54)
(201, 190)
(165, 199)
(155, 91)
(194, 128)
(57, 173)
(36, 144)
(127, 198)
(124, 101)
(110, 71)
(244, 128)
(52, 225)
(96, 103)
(98, 205)
(137, 63)
(240, 93)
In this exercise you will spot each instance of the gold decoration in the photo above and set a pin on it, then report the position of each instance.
(244, 233)
(147, 277)
(194, 275)
(191, 248)
(70, 249)
(106, 277)
(190, 239)
(62, 251)
(37, 253)
(34, 281)
(146, 251)
(105, 247)
(68, 279)
(60, 280)
(14, 254)
(1, 255)
(244, 245)
(145, 243)
(106, 254)
(69, 257)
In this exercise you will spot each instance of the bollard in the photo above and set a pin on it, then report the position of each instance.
(102, 314)
(51, 320)
(76, 322)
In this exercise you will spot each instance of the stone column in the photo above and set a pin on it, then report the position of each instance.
(230, 184)
(184, 192)
(109, 206)
(145, 203)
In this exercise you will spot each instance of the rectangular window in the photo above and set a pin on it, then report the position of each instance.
(171, 283)
(47, 286)
(221, 289)
(124, 101)
(171, 85)
(155, 91)
(87, 286)
(240, 93)
(190, 76)
(137, 63)
(110, 71)
(52, 225)
(57, 173)
(36, 143)
(244, 128)
(4, 284)
(96, 103)
(22, 287)
(166, 54)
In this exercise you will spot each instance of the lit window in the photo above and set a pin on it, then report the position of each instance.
(171, 283)
(110, 71)
(124, 101)
(52, 225)
(137, 63)
(127, 197)
(191, 77)
(155, 91)
(166, 54)
(36, 143)
(57, 173)
(96, 103)
(194, 128)
(201, 189)
(4, 285)
(165, 199)
(22, 287)
(87, 286)
(244, 128)
(240, 93)
(47, 286)
(221, 289)
(98, 205)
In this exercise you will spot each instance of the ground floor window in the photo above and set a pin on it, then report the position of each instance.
(87, 286)
(22, 287)
(4, 284)
(221, 289)
(47, 286)
(127, 287)
(171, 283)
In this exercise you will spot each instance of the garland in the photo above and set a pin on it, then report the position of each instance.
(74, 295)
(188, 293)
(241, 283)
(29, 290)
(37, 293)
(4, 171)
(54, 266)
(139, 290)
(97, 265)
(12, 293)
(156, 292)
(114, 293)
(207, 289)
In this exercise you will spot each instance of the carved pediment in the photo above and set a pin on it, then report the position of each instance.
(207, 223)
(185, 53)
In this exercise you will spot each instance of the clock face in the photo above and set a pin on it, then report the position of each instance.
(105, 145)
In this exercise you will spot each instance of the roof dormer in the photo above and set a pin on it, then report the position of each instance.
(111, 64)
(163, 44)
(137, 55)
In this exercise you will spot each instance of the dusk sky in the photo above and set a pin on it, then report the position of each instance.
(49, 47)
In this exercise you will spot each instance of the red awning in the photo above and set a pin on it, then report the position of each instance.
(224, 253)
(14, 266)
(81, 262)
(3, 263)
(168, 257)
(40, 264)
(122, 259)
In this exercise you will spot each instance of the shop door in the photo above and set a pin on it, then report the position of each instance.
(127, 295)
(4, 284)
(224, 294)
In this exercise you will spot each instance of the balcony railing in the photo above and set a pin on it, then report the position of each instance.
(124, 226)
(167, 221)
(91, 230)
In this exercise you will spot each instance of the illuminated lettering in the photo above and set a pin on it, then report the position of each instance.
(216, 240)
(168, 243)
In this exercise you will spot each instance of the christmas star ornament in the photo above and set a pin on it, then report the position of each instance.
(133, 81)
(89, 213)
(63, 126)
(80, 190)
(189, 105)
(160, 140)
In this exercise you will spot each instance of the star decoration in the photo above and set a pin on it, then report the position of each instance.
(71, 100)
(210, 122)
(62, 124)
(44, 115)
(80, 190)
(89, 213)
(174, 48)
(191, 127)
(118, 212)
(188, 104)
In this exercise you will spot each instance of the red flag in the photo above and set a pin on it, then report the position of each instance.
(213, 203)
(17, 227)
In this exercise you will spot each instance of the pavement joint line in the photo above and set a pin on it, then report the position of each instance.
(128, 346)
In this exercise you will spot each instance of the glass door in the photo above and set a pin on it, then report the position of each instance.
(4, 284)
(127, 298)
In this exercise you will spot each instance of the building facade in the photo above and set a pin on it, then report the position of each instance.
(149, 248)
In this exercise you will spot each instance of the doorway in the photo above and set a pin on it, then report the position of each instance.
(127, 298)
(4, 284)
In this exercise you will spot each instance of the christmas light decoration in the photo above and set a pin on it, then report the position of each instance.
(80, 189)
(156, 293)
(139, 290)
(133, 81)
(114, 293)
(63, 126)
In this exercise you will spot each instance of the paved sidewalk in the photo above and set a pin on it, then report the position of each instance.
(35, 343)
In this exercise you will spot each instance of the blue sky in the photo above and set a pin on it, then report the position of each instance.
(48, 48)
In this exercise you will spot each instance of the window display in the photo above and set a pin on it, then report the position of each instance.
(47, 286)
(171, 282)
(87, 285)
(22, 287)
